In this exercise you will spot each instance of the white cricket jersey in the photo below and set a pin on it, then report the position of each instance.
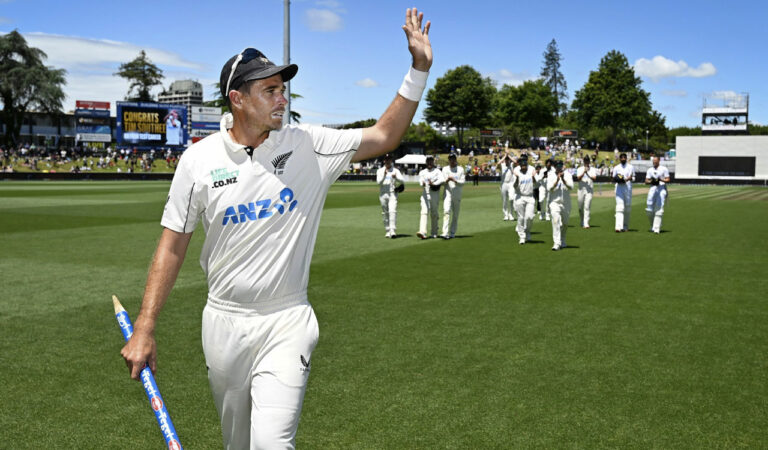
(625, 170)
(661, 173)
(427, 175)
(586, 182)
(260, 214)
(458, 174)
(525, 181)
(507, 174)
(388, 180)
(559, 189)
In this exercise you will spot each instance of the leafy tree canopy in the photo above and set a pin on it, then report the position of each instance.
(530, 106)
(143, 75)
(461, 98)
(550, 72)
(26, 83)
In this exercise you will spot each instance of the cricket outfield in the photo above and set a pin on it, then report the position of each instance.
(620, 340)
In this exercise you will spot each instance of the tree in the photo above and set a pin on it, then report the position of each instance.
(530, 106)
(552, 76)
(461, 98)
(613, 99)
(359, 124)
(143, 76)
(424, 133)
(26, 83)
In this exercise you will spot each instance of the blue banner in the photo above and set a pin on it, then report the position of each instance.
(151, 125)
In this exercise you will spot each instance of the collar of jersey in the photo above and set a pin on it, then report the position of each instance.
(227, 122)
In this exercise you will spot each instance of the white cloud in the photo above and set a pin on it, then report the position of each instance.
(675, 93)
(505, 76)
(68, 51)
(323, 20)
(367, 83)
(661, 67)
(91, 63)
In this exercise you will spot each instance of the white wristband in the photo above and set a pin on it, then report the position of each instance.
(413, 85)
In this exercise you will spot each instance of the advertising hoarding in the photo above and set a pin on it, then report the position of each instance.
(151, 125)
(93, 125)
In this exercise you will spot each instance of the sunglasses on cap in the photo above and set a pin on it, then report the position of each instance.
(246, 56)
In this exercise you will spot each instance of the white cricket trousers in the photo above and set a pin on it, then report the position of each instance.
(507, 199)
(430, 202)
(560, 214)
(389, 212)
(654, 206)
(585, 204)
(623, 206)
(258, 366)
(525, 207)
(544, 202)
(451, 206)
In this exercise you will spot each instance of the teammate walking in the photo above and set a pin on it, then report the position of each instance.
(389, 179)
(454, 184)
(623, 175)
(658, 177)
(430, 180)
(559, 185)
(507, 187)
(541, 180)
(259, 189)
(586, 176)
(524, 202)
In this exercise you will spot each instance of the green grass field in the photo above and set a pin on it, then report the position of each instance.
(629, 340)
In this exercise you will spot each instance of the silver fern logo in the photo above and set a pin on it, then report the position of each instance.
(279, 163)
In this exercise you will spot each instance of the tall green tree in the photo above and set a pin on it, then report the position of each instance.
(143, 76)
(461, 98)
(530, 106)
(550, 72)
(26, 83)
(613, 100)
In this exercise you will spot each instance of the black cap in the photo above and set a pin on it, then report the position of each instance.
(254, 65)
(452, 156)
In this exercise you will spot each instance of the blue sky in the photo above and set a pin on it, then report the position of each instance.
(352, 55)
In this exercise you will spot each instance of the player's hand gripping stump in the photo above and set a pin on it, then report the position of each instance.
(150, 387)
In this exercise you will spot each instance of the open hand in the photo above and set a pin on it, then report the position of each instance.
(418, 39)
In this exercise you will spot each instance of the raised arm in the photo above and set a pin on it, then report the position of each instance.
(141, 349)
(392, 125)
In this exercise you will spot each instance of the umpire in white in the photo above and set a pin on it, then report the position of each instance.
(657, 177)
(391, 183)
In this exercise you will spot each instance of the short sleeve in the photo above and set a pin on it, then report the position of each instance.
(181, 211)
(335, 148)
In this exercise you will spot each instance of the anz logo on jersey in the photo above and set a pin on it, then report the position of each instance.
(266, 208)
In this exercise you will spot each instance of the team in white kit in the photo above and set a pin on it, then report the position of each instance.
(523, 187)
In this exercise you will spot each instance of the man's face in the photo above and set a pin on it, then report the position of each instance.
(263, 105)
(623, 159)
(655, 162)
(388, 163)
(452, 162)
(430, 163)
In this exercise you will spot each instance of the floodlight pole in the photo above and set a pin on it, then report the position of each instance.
(646, 141)
(287, 55)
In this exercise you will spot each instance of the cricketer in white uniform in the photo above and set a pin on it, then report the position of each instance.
(389, 178)
(541, 180)
(658, 177)
(258, 188)
(430, 180)
(454, 183)
(525, 204)
(559, 185)
(507, 188)
(586, 176)
(623, 175)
